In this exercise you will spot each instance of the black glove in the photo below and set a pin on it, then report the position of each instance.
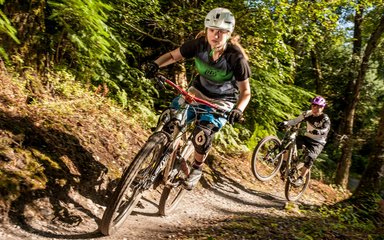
(315, 132)
(159, 85)
(235, 116)
(281, 125)
(151, 69)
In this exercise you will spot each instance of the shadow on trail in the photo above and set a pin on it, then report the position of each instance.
(227, 187)
(57, 153)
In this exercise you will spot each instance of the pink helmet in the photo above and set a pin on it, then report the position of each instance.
(319, 101)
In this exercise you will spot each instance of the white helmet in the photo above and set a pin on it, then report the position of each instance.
(220, 18)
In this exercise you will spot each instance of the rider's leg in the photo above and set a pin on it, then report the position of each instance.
(308, 162)
(206, 126)
(199, 159)
(202, 141)
(313, 151)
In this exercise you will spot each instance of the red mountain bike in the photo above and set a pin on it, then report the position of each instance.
(162, 160)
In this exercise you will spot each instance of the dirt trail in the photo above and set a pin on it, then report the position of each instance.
(212, 202)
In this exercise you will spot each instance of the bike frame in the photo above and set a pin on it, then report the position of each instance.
(290, 146)
(181, 125)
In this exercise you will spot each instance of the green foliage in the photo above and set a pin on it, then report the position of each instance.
(231, 139)
(143, 112)
(84, 23)
(320, 170)
(6, 28)
(99, 50)
(360, 212)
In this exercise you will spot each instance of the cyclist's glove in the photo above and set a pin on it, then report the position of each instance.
(315, 132)
(151, 69)
(281, 125)
(235, 116)
(159, 85)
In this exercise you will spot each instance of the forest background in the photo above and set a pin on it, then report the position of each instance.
(297, 49)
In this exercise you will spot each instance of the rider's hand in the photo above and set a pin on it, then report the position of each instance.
(159, 85)
(315, 132)
(151, 69)
(281, 125)
(235, 116)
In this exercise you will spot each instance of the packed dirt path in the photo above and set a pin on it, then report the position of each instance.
(217, 198)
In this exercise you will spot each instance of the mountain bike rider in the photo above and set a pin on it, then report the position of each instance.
(314, 139)
(223, 79)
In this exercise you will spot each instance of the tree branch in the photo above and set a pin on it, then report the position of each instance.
(155, 38)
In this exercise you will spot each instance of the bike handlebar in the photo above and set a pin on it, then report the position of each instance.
(188, 96)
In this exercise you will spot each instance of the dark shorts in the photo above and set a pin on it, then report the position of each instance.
(314, 148)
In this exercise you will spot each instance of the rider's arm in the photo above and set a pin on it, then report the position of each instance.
(325, 126)
(297, 120)
(245, 95)
(169, 58)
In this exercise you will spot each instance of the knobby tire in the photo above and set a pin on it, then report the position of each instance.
(172, 195)
(119, 208)
(267, 158)
(293, 193)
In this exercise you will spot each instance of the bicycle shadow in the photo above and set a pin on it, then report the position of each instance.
(229, 188)
(57, 153)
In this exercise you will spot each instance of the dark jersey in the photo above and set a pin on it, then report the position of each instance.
(217, 79)
(322, 123)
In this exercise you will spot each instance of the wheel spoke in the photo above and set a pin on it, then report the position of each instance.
(266, 159)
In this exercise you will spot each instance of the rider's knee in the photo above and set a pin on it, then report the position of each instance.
(308, 161)
(202, 137)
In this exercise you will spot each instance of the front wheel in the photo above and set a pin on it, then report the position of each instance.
(174, 190)
(267, 158)
(292, 192)
(135, 180)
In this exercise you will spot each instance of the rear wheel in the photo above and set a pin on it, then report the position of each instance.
(292, 192)
(174, 190)
(267, 158)
(135, 180)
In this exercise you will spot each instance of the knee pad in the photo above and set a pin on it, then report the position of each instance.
(308, 161)
(202, 139)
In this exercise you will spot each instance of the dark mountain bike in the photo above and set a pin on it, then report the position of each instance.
(165, 159)
(267, 159)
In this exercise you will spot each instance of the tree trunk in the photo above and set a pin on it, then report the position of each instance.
(342, 172)
(317, 71)
(372, 179)
(345, 161)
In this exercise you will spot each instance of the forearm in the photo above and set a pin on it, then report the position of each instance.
(295, 121)
(169, 58)
(244, 99)
(245, 95)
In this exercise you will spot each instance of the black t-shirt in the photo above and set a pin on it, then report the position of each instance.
(217, 79)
